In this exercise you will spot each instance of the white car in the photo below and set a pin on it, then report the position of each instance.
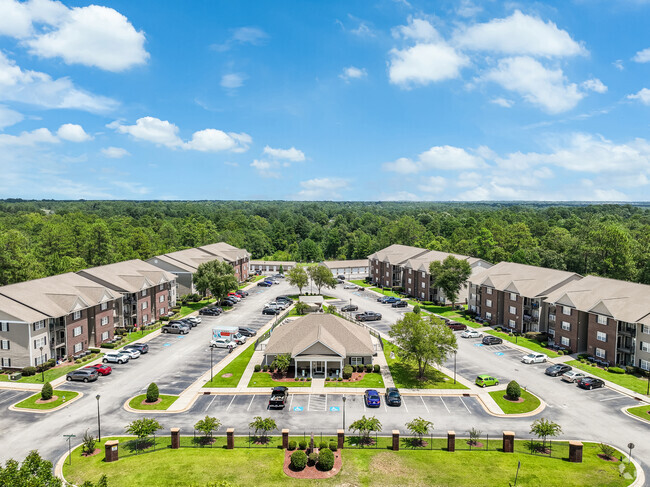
(222, 343)
(534, 358)
(469, 333)
(131, 352)
(350, 286)
(275, 305)
(116, 357)
(573, 375)
(194, 319)
(275, 281)
(234, 297)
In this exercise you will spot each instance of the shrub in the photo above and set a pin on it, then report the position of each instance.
(92, 350)
(333, 445)
(88, 444)
(302, 445)
(164, 318)
(322, 444)
(416, 309)
(347, 372)
(326, 460)
(327, 379)
(340, 379)
(152, 392)
(368, 367)
(292, 445)
(582, 356)
(630, 369)
(27, 371)
(78, 361)
(108, 345)
(513, 391)
(258, 368)
(266, 368)
(615, 370)
(544, 344)
(312, 459)
(607, 450)
(498, 328)
(298, 460)
(308, 379)
(46, 391)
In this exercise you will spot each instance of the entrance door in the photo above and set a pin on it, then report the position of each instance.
(319, 368)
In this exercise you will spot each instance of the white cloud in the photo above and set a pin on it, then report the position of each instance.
(213, 140)
(433, 184)
(352, 72)
(72, 133)
(322, 188)
(264, 169)
(401, 196)
(15, 19)
(609, 195)
(243, 35)
(132, 187)
(468, 9)
(292, 154)
(519, 34)
(9, 117)
(547, 88)
(425, 63)
(642, 56)
(363, 30)
(232, 80)
(543, 173)
(594, 84)
(643, 96)
(504, 102)
(28, 139)
(417, 29)
(618, 64)
(151, 129)
(468, 179)
(439, 157)
(115, 152)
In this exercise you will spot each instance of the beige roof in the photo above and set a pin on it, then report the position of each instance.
(621, 300)
(421, 262)
(273, 262)
(225, 251)
(396, 254)
(11, 311)
(342, 337)
(188, 259)
(53, 296)
(130, 276)
(337, 264)
(526, 280)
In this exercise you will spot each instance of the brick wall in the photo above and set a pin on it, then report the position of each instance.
(485, 297)
(518, 315)
(71, 324)
(571, 334)
(149, 310)
(108, 327)
(592, 337)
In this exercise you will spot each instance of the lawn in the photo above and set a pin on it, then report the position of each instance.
(235, 369)
(531, 402)
(386, 292)
(138, 335)
(524, 342)
(447, 312)
(50, 374)
(636, 384)
(165, 402)
(360, 282)
(642, 412)
(263, 379)
(30, 402)
(369, 381)
(362, 467)
(405, 374)
(188, 308)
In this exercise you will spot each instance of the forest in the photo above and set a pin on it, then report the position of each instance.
(42, 238)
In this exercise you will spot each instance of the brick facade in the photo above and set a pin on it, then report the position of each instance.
(107, 316)
(572, 333)
(491, 308)
(609, 330)
(508, 315)
(83, 337)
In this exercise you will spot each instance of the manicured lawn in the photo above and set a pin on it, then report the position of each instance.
(524, 342)
(138, 335)
(447, 312)
(263, 379)
(636, 384)
(386, 292)
(405, 374)
(188, 308)
(361, 467)
(642, 412)
(531, 402)
(167, 401)
(360, 282)
(235, 369)
(30, 402)
(50, 374)
(369, 381)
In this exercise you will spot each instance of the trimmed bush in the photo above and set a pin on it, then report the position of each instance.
(46, 392)
(298, 460)
(416, 309)
(630, 369)
(308, 379)
(152, 392)
(615, 370)
(302, 444)
(513, 391)
(258, 368)
(333, 446)
(347, 372)
(108, 345)
(498, 328)
(327, 379)
(27, 371)
(368, 367)
(322, 444)
(312, 459)
(340, 379)
(376, 369)
(292, 445)
(326, 460)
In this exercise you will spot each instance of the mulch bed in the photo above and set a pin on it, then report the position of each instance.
(41, 401)
(478, 444)
(97, 450)
(606, 458)
(145, 403)
(312, 472)
(225, 376)
(521, 399)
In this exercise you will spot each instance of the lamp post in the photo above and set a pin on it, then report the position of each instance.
(344, 398)
(42, 366)
(454, 366)
(211, 370)
(99, 425)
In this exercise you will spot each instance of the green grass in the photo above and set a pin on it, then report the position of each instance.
(137, 335)
(50, 374)
(360, 282)
(236, 368)
(361, 467)
(524, 342)
(188, 308)
(30, 402)
(636, 384)
(447, 312)
(263, 379)
(386, 292)
(642, 412)
(369, 381)
(531, 402)
(162, 405)
(405, 374)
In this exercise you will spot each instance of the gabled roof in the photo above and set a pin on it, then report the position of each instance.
(397, 254)
(188, 259)
(226, 251)
(421, 262)
(130, 276)
(273, 262)
(337, 264)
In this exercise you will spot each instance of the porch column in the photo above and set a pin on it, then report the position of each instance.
(341, 369)
(311, 366)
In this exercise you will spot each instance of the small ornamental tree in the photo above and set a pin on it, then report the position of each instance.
(152, 392)
(365, 426)
(419, 427)
(282, 363)
(301, 308)
(88, 446)
(143, 427)
(262, 426)
(46, 392)
(474, 435)
(513, 391)
(207, 426)
(543, 428)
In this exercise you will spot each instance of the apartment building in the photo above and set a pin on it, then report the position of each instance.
(513, 295)
(147, 291)
(606, 318)
(239, 259)
(271, 266)
(387, 265)
(54, 317)
(351, 269)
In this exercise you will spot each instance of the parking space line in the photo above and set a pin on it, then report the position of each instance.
(250, 403)
(425, 404)
(308, 401)
(611, 398)
(290, 402)
(208, 406)
(233, 398)
(443, 403)
(405, 406)
(461, 400)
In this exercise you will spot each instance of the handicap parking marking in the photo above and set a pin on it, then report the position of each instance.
(167, 344)
(180, 336)
(478, 344)
(298, 408)
(334, 409)
(498, 354)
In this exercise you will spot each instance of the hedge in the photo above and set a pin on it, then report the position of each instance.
(325, 460)
(615, 370)
(299, 459)
(347, 371)
(513, 391)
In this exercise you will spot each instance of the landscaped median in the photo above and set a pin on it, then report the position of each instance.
(632, 382)
(231, 374)
(642, 412)
(54, 373)
(369, 380)
(264, 379)
(525, 404)
(446, 311)
(59, 398)
(161, 404)
(533, 345)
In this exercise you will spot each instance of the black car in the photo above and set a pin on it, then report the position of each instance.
(247, 332)
(183, 322)
(227, 302)
(368, 316)
(210, 311)
(271, 311)
(140, 347)
(591, 383)
(264, 284)
(350, 307)
(491, 340)
(392, 397)
(557, 369)
(400, 304)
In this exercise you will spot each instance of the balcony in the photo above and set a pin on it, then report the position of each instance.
(530, 319)
(627, 329)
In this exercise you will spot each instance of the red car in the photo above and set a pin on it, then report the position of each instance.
(102, 369)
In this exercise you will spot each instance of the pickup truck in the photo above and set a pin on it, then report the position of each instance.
(177, 328)
(368, 316)
(278, 397)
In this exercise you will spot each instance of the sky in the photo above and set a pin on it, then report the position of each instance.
(390, 100)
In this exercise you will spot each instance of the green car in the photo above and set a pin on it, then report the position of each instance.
(485, 380)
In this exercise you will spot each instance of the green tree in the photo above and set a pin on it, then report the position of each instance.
(450, 275)
(297, 276)
(89, 442)
(543, 428)
(301, 308)
(32, 472)
(142, 428)
(217, 277)
(420, 427)
(152, 392)
(282, 362)
(46, 392)
(513, 391)
(322, 276)
(365, 426)
(207, 426)
(262, 426)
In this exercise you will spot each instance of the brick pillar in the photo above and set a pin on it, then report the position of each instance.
(508, 441)
(285, 438)
(341, 438)
(111, 452)
(395, 440)
(176, 438)
(230, 438)
(575, 451)
(451, 441)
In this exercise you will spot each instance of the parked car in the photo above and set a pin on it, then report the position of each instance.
(276, 304)
(485, 380)
(270, 311)
(454, 325)
(392, 299)
(116, 357)
(184, 321)
(573, 375)
(491, 340)
(222, 343)
(177, 328)
(469, 333)
(558, 369)
(210, 311)
(83, 375)
(590, 383)
(361, 288)
(534, 358)
(371, 398)
(233, 297)
(131, 352)
(383, 299)
(341, 276)
(247, 332)
(227, 302)
(392, 397)
(195, 320)
(241, 292)
(399, 304)
(140, 347)
(350, 307)
(278, 397)
(284, 299)
(368, 316)
(264, 284)
(102, 369)
(278, 276)
(349, 286)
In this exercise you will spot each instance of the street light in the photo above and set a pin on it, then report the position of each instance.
(344, 398)
(42, 366)
(211, 370)
(99, 425)
(454, 366)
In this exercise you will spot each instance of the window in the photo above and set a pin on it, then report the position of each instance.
(105, 321)
(78, 347)
(423, 285)
(105, 336)
(161, 311)
(551, 317)
(4, 344)
(76, 332)
(39, 325)
(423, 274)
(488, 316)
(4, 326)
(600, 353)
(76, 315)
(6, 362)
(513, 310)
(602, 320)
(644, 364)
(551, 332)
(488, 290)
(144, 292)
(161, 299)
(409, 280)
(103, 306)
(511, 323)
(410, 271)
(145, 318)
(144, 305)
(645, 329)
(40, 360)
(161, 287)
(565, 341)
(601, 337)
(566, 310)
(40, 342)
(386, 273)
(356, 360)
(422, 295)
(513, 296)
(566, 326)
(488, 303)
(645, 346)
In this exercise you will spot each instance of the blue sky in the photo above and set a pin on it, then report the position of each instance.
(312, 100)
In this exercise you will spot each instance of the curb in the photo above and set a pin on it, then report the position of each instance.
(624, 409)
(44, 411)
(133, 410)
(539, 409)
